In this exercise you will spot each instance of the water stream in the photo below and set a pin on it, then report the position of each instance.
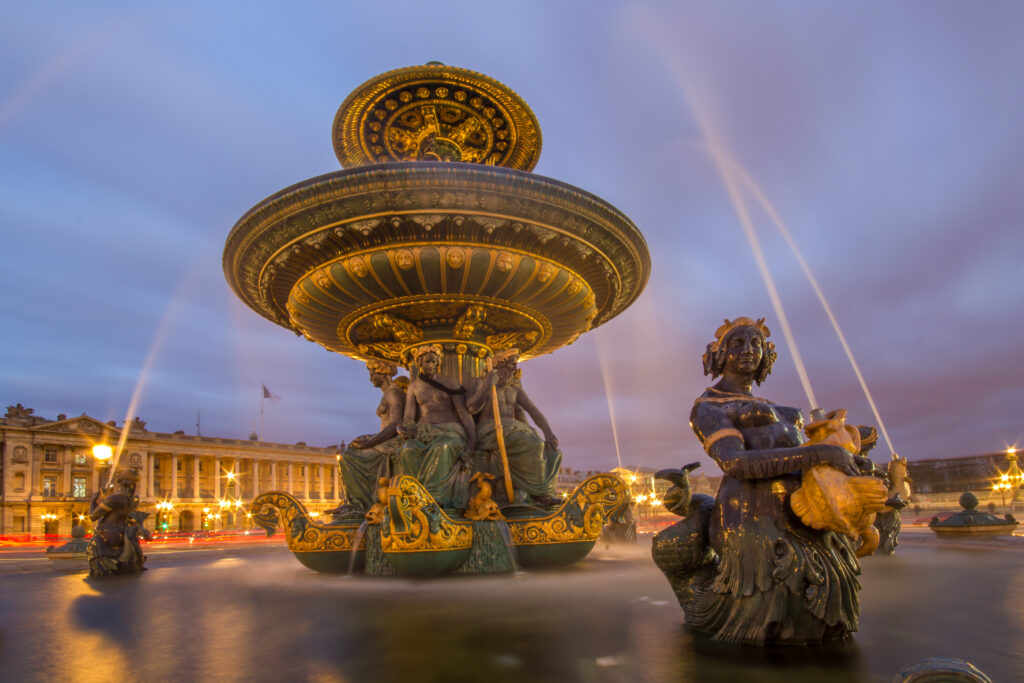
(360, 532)
(605, 376)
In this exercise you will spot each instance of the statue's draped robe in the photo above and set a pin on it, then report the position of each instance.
(437, 457)
(777, 580)
(533, 466)
(362, 468)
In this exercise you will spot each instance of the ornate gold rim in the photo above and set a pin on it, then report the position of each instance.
(346, 213)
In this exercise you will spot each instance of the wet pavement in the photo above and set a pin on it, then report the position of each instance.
(256, 614)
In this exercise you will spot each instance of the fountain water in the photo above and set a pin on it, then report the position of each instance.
(603, 363)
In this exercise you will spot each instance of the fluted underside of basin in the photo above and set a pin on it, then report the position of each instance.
(371, 261)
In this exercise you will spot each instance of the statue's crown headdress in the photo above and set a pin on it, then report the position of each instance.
(427, 348)
(722, 332)
(382, 367)
(506, 355)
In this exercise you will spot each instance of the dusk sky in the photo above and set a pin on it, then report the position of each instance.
(888, 137)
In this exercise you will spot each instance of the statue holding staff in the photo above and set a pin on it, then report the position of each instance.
(500, 403)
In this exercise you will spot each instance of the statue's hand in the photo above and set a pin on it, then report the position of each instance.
(407, 430)
(551, 439)
(359, 441)
(842, 460)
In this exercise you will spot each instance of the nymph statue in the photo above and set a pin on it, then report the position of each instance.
(744, 568)
(370, 457)
(438, 431)
(533, 462)
(115, 546)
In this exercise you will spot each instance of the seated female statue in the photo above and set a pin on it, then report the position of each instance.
(744, 568)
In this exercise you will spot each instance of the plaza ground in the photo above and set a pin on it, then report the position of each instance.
(250, 611)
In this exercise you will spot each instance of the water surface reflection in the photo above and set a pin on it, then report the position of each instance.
(611, 618)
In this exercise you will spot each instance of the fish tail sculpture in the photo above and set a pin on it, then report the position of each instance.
(682, 551)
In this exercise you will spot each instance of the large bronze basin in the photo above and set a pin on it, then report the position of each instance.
(372, 260)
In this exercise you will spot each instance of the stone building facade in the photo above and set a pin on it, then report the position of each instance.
(48, 473)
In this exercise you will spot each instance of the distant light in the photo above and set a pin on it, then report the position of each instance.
(102, 452)
(230, 476)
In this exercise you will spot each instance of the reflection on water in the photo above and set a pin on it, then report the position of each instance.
(610, 618)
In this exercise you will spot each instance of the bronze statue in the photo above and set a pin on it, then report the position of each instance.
(438, 430)
(370, 457)
(115, 546)
(744, 568)
(533, 462)
(888, 522)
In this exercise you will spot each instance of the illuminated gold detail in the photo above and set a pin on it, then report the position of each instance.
(436, 113)
(719, 435)
(404, 331)
(455, 257)
(467, 322)
(593, 501)
(481, 507)
(404, 259)
(829, 499)
(411, 509)
(302, 533)
(427, 348)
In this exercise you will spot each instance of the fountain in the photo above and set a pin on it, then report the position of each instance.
(437, 250)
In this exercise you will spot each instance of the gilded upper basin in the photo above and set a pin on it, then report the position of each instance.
(373, 260)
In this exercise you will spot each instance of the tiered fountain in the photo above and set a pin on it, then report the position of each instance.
(436, 233)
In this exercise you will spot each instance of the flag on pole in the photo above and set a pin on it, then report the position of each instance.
(268, 394)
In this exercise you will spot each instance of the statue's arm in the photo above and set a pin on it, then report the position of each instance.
(523, 401)
(479, 396)
(466, 419)
(406, 428)
(724, 443)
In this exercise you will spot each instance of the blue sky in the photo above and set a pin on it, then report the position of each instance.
(888, 138)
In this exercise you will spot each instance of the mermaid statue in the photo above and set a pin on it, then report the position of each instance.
(743, 566)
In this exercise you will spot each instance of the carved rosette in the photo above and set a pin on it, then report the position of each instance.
(436, 113)
(579, 519)
(276, 508)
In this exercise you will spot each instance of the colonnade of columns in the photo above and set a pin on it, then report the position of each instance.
(184, 476)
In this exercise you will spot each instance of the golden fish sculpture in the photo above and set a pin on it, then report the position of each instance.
(830, 499)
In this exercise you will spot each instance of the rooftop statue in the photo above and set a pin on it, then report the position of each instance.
(115, 546)
(744, 568)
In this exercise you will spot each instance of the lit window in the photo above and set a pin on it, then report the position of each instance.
(78, 489)
(80, 458)
(49, 486)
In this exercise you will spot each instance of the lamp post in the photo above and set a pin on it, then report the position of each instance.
(1011, 480)
(103, 453)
